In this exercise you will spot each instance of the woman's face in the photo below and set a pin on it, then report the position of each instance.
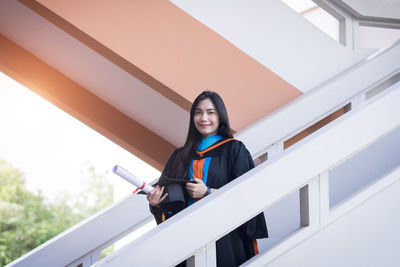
(206, 118)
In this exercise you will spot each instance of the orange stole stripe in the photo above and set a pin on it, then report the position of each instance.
(214, 146)
(194, 168)
(255, 246)
(198, 170)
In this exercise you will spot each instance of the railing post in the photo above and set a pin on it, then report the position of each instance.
(356, 35)
(324, 198)
(205, 257)
(95, 255)
(275, 149)
(304, 206)
(211, 256)
(358, 101)
(346, 32)
(309, 203)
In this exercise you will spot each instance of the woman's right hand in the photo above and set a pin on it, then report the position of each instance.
(154, 197)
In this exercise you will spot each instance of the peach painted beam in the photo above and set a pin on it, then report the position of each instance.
(173, 53)
(58, 89)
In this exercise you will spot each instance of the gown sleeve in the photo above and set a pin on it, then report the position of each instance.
(241, 162)
(156, 211)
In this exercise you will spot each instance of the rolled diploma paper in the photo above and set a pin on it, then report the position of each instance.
(132, 179)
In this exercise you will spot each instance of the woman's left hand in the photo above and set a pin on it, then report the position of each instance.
(197, 189)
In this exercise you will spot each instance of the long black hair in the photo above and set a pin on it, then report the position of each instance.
(188, 151)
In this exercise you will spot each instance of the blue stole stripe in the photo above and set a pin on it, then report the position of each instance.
(208, 141)
(205, 169)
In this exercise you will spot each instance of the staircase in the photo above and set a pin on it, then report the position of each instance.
(304, 167)
(346, 222)
(310, 161)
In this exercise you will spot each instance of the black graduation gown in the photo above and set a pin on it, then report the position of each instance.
(225, 163)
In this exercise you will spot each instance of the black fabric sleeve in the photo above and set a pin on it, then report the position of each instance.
(156, 211)
(167, 169)
(240, 159)
(241, 163)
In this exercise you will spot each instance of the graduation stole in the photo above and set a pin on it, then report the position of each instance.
(200, 153)
(199, 167)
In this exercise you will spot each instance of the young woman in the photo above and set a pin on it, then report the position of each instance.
(211, 158)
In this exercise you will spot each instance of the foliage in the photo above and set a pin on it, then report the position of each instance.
(97, 192)
(28, 219)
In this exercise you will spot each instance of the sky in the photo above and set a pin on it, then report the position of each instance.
(51, 147)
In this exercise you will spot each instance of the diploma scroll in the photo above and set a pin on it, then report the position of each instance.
(132, 179)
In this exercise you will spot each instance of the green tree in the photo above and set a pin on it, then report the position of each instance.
(96, 192)
(28, 220)
(25, 217)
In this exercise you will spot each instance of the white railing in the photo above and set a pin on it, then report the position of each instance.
(182, 236)
(316, 209)
(348, 87)
(83, 243)
(350, 22)
(87, 239)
